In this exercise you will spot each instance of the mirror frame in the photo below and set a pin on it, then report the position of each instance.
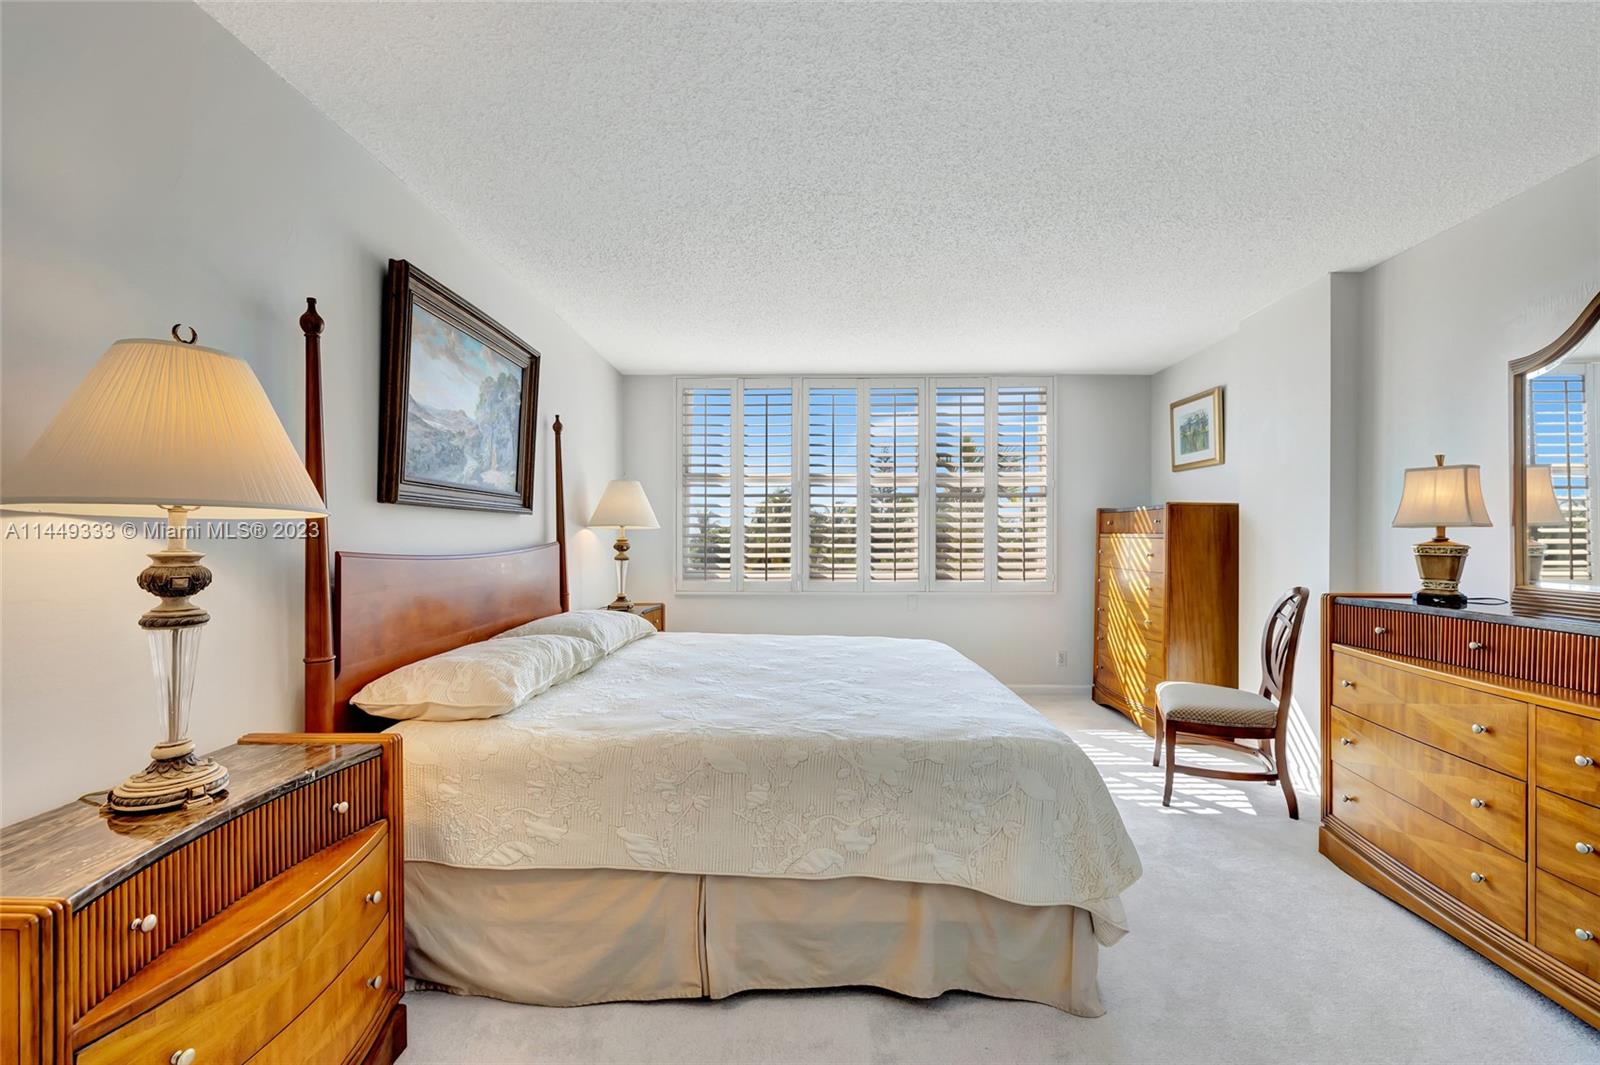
(1527, 598)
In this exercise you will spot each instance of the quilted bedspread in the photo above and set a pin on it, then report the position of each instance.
(805, 757)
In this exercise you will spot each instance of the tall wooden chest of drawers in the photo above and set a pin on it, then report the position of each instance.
(266, 927)
(1461, 778)
(1166, 603)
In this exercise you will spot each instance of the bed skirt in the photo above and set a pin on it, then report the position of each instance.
(574, 937)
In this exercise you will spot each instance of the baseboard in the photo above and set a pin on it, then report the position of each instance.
(1049, 689)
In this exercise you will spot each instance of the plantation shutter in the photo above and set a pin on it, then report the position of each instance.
(1021, 466)
(959, 448)
(768, 483)
(1561, 441)
(831, 474)
(707, 465)
(894, 528)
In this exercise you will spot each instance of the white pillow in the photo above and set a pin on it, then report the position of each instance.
(483, 679)
(610, 629)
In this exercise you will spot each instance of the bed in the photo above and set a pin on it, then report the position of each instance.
(702, 814)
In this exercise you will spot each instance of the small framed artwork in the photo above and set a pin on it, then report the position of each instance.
(1197, 434)
(459, 395)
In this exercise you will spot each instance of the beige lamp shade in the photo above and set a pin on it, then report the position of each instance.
(1539, 505)
(161, 423)
(624, 506)
(1441, 495)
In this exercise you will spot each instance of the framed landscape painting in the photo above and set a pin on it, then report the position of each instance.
(458, 400)
(1197, 430)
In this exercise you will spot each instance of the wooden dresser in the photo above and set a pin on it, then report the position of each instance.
(1461, 778)
(1166, 602)
(266, 927)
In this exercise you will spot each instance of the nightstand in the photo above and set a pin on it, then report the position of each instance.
(267, 925)
(654, 613)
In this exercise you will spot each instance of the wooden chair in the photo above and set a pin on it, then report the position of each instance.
(1224, 716)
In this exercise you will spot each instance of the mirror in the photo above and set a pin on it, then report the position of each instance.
(1555, 400)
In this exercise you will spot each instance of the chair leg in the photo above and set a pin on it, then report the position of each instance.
(1161, 728)
(1170, 736)
(1282, 747)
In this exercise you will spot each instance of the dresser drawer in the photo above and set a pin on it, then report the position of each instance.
(1486, 804)
(1562, 915)
(1397, 632)
(341, 1013)
(235, 1010)
(1487, 729)
(1141, 595)
(1569, 839)
(1136, 554)
(1567, 751)
(1133, 667)
(1147, 520)
(177, 894)
(1478, 874)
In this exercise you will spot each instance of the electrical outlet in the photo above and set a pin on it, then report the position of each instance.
(1061, 658)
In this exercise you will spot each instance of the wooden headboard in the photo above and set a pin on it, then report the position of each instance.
(375, 613)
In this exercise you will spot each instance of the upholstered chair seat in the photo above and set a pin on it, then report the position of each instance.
(1208, 704)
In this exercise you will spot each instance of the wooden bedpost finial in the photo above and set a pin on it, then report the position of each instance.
(557, 426)
(311, 321)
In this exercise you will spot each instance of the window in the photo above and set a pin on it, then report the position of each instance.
(865, 484)
(1563, 412)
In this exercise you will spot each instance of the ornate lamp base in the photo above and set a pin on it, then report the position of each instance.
(177, 778)
(1440, 563)
(621, 602)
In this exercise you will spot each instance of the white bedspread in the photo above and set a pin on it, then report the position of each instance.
(783, 756)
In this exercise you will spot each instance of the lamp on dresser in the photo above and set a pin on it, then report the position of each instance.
(623, 506)
(167, 428)
(1438, 497)
(1539, 507)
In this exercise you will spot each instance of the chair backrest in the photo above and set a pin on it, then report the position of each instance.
(1280, 642)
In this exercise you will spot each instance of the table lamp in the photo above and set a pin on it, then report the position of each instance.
(1439, 496)
(624, 506)
(164, 427)
(1539, 507)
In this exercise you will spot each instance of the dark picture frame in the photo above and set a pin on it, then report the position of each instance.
(457, 450)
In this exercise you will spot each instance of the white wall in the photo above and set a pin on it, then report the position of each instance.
(1102, 454)
(1439, 324)
(156, 171)
(1277, 370)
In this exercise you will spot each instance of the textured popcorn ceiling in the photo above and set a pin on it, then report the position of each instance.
(928, 187)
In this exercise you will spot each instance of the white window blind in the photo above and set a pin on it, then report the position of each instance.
(707, 438)
(768, 418)
(833, 447)
(1561, 440)
(857, 484)
(894, 483)
(959, 450)
(1022, 488)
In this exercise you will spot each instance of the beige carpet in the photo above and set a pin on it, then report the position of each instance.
(1246, 946)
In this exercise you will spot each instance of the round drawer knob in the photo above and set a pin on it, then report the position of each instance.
(1347, 798)
(1585, 848)
(1346, 741)
(182, 1057)
(1478, 878)
(1347, 684)
(1378, 630)
(375, 897)
(375, 983)
(1583, 760)
(1479, 730)
(1583, 934)
(341, 807)
(1478, 804)
(145, 924)
(1474, 645)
